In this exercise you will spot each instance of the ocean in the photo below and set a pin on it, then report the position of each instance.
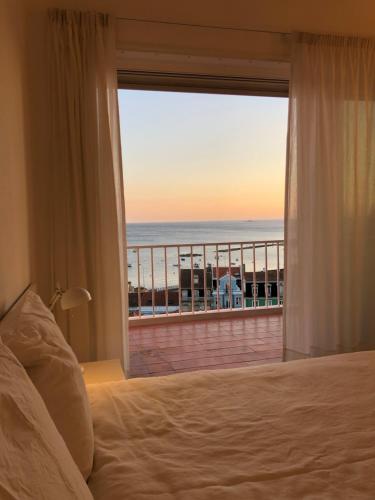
(209, 232)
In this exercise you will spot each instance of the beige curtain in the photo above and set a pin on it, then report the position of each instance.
(330, 197)
(87, 202)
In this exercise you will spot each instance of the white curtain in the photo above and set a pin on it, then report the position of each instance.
(330, 197)
(88, 246)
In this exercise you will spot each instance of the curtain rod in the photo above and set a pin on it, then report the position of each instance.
(204, 26)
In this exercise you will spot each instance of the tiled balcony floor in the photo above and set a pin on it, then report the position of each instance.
(199, 345)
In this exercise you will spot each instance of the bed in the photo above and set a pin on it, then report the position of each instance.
(296, 430)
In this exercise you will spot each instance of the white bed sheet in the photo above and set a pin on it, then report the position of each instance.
(297, 430)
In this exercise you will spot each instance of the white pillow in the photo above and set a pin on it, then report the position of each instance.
(34, 460)
(31, 333)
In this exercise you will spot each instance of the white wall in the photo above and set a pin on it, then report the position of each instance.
(14, 226)
(330, 16)
(24, 129)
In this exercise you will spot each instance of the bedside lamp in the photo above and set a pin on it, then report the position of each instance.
(73, 297)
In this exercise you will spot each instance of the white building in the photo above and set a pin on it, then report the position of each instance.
(228, 287)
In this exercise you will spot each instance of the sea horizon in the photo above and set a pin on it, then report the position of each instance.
(195, 233)
(250, 219)
(210, 231)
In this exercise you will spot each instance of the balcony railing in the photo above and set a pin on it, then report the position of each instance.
(184, 279)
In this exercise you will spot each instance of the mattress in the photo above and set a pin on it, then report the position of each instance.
(296, 430)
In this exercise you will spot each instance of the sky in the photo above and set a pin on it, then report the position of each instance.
(191, 157)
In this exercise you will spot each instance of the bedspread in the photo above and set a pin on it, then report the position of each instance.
(296, 430)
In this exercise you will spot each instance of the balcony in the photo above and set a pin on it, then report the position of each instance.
(204, 306)
(227, 343)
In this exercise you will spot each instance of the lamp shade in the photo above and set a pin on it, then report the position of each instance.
(74, 297)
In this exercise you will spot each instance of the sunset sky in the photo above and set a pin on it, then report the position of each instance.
(202, 157)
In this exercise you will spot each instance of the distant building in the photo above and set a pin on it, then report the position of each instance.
(223, 290)
(186, 276)
(160, 306)
(229, 283)
(255, 294)
(254, 290)
(223, 270)
(228, 293)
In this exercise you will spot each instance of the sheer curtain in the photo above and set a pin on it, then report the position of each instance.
(330, 197)
(87, 202)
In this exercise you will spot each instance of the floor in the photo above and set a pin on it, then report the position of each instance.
(197, 345)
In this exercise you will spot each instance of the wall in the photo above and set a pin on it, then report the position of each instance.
(24, 129)
(332, 16)
(14, 203)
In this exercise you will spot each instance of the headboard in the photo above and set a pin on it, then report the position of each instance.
(30, 286)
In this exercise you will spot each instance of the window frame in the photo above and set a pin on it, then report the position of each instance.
(169, 81)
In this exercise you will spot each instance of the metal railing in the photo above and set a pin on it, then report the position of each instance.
(177, 279)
